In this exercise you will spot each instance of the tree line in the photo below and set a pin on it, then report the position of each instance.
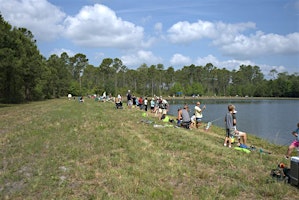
(26, 75)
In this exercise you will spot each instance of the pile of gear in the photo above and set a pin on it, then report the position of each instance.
(281, 173)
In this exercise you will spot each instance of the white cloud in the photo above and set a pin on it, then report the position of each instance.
(179, 60)
(98, 26)
(229, 40)
(58, 52)
(185, 32)
(261, 44)
(202, 61)
(40, 17)
(235, 64)
(141, 57)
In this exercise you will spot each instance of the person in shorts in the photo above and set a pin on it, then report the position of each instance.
(239, 134)
(229, 126)
(294, 144)
(198, 113)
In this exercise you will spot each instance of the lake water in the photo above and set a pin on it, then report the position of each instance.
(272, 120)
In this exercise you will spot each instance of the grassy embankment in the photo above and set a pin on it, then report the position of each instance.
(62, 149)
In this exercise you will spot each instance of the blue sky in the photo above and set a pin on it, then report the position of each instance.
(177, 33)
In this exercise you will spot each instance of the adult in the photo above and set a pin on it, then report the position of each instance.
(145, 102)
(185, 117)
(69, 96)
(104, 96)
(134, 99)
(198, 113)
(119, 97)
(157, 109)
(140, 103)
(129, 99)
(165, 106)
(81, 99)
(118, 102)
(239, 134)
(153, 105)
(179, 117)
(294, 144)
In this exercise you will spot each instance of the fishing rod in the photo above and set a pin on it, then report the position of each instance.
(210, 123)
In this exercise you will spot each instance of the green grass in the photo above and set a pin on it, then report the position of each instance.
(62, 149)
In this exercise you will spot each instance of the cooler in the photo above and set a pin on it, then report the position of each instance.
(294, 171)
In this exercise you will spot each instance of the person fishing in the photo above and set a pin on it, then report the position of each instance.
(198, 113)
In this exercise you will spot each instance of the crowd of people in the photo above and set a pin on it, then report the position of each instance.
(160, 107)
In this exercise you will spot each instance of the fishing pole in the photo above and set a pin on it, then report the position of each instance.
(210, 123)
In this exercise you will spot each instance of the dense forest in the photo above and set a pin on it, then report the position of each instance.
(26, 75)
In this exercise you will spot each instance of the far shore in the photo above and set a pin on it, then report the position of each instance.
(234, 97)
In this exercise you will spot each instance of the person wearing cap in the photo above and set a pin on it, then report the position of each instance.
(185, 117)
(198, 113)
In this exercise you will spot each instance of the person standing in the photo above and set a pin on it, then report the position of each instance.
(145, 102)
(140, 103)
(69, 96)
(198, 113)
(294, 144)
(165, 106)
(152, 105)
(229, 126)
(134, 99)
(129, 99)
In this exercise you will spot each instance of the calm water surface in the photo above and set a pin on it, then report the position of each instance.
(273, 120)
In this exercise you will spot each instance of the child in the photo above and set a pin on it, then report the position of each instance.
(229, 126)
(193, 121)
(294, 144)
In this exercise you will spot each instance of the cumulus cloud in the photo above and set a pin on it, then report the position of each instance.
(40, 17)
(235, 64)
(185, 32)
(179, 59)
(98, 26)
(261, 44)
(140, 57)
(228, 38)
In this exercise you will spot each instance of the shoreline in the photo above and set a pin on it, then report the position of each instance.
(235, 97)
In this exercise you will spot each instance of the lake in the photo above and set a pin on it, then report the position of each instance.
(272, 120)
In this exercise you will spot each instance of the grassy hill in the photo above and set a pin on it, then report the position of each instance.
(62, 149)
